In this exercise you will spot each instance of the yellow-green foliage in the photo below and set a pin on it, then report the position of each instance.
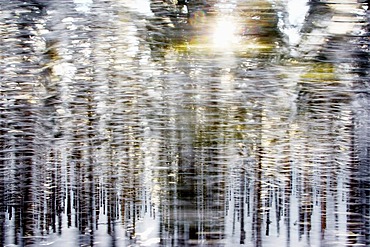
(320, 72)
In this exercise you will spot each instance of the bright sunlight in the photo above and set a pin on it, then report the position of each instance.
(225, 33)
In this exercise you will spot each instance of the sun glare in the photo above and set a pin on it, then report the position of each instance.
(224, 33)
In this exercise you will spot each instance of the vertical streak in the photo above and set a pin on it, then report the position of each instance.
(2, 175)
(257, 216)
(354, 204)
(242, 203)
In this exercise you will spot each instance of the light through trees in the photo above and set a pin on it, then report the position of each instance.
(184, 123)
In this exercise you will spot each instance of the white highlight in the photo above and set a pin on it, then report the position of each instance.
(224, 33)
(139, 6)
(297, 11)
(83, 5)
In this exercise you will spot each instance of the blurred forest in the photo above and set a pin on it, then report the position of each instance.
(184, 123)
